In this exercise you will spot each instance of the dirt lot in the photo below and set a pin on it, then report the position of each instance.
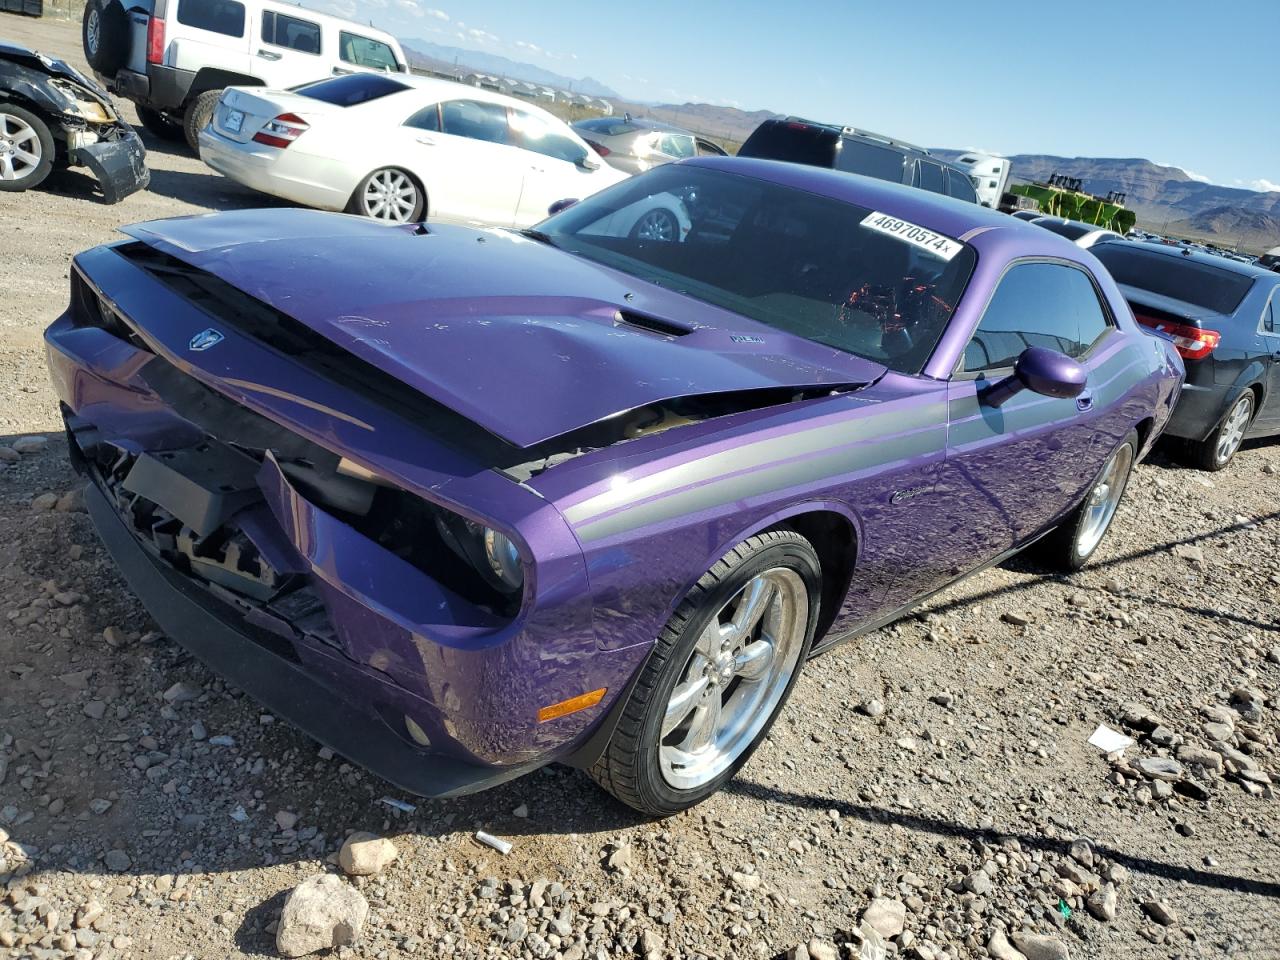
(936, 772)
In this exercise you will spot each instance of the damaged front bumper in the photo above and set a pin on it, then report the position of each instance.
(119, 164)
(210, 505)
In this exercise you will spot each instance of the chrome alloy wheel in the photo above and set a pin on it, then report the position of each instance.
(1103, 500)
(737, 673)
(657, 225)
(391, 195)
(20, 149)
(1233, 428)
(93, 32)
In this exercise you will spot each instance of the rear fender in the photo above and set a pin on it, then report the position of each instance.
(211, 78)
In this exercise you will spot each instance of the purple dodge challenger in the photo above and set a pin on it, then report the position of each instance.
(461, 503)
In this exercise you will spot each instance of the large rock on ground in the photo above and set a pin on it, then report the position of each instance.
(366, 854)
(320, 913)
(886, 917)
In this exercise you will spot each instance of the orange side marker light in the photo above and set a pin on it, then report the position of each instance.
(572, 705)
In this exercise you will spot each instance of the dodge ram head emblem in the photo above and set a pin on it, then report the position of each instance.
(205, 339)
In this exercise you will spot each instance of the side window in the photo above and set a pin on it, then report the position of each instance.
(1271, 316)
(539, 135)
(870, 160)
(1037, 305)
(284, 31)
(475, 120)
(216, 16)
(674, 145)
(366, 52)
(931, 177)
(428, 118)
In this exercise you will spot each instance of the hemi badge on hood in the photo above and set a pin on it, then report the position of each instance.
(205, 339)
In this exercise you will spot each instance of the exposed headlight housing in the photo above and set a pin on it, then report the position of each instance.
(490, 553)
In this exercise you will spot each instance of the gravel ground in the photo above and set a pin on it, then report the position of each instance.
(928, 793)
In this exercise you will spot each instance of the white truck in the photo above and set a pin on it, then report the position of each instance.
(173, 58)
(989, 175)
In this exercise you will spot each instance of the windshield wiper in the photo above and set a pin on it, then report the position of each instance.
(538, 235)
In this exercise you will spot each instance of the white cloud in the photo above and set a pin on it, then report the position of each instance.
(1199, 177)
(438, 14)
(1263, 185)
(481, 36)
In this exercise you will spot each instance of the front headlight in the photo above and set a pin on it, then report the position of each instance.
(491, 554)
(504, 559)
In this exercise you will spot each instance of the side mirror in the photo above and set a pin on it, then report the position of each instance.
(1043, 371)
(588, 163)
(560, 206)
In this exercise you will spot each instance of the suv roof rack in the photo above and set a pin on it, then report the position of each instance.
(857, 132)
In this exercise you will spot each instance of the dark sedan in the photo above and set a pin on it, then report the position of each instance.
(1224, 318)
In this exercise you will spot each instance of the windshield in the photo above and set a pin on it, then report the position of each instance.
(845, 276)
(1072, 231)
(352, 89)
(1210, 288)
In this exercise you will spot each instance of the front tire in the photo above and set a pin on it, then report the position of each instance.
(197, 115)
(1217, 450)
(26, 149)
(1071, 545)
(717, 678)
(391, 195)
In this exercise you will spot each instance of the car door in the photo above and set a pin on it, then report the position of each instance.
(464, 156)
(1268, 418)
(287, 50)
(553, 169)
(1011, 470)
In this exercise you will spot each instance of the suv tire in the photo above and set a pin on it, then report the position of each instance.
(104, 35)
(197, 116)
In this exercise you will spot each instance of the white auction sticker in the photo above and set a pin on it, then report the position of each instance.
(930, 240)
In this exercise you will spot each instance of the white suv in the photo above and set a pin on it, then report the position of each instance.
(173, 58)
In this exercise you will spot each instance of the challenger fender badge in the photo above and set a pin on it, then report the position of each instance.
(205, 339)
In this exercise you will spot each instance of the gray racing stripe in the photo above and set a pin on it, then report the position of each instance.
(865, 457)
(879, 422)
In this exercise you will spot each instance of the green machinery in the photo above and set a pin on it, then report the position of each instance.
(1062, 197)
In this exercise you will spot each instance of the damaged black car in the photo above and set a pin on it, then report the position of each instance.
(51, 115)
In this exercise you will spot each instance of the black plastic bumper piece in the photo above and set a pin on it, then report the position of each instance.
(120, 165)
(205, 627)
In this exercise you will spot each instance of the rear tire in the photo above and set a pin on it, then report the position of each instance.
(701, 656)
(1070, 546)
(389, 195)
(197, 116)
(104, 35)
(157, 123)
(26, 149)
(1217, 450)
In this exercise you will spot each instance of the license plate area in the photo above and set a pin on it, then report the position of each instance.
(234, 121)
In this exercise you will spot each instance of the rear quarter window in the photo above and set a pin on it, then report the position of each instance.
(351, 90)
(284, 31)
(217, 16)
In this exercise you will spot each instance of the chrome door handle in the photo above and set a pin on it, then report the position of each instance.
(1084, 401)
(427, 141)
(268, 55)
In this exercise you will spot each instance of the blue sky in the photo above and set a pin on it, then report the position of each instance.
(1194, 85)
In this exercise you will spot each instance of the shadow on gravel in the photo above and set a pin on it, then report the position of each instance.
(208, 188)
(74, 183)
(1027, 563)
(947, 828)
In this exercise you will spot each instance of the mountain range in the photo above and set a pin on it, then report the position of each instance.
(1165, 198)
(481, 62)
